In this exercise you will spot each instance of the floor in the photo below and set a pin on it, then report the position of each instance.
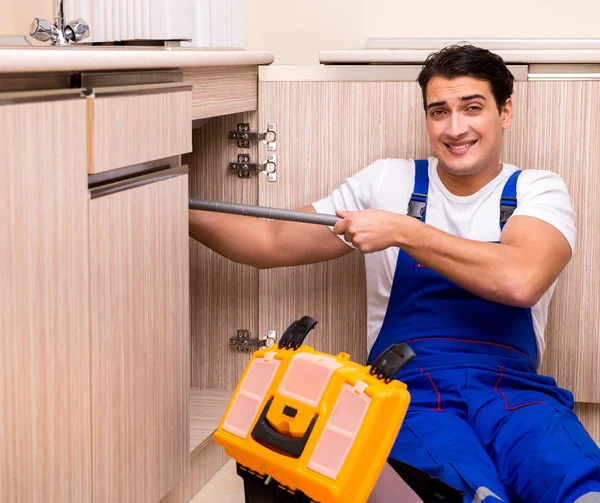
(224, 487)
(207, 407)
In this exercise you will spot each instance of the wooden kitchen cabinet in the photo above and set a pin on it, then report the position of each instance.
(110, 371)
(45, 436)
(95, 339)
(139, 307)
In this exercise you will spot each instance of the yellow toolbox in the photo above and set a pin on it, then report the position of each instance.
(315, 423)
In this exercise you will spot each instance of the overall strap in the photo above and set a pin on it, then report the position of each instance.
(417, 205)
(508, 200)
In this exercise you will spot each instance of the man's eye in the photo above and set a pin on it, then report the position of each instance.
(437, 113)
(474, 108)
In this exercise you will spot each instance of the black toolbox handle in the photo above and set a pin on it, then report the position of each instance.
(265, 434)
(295, 334)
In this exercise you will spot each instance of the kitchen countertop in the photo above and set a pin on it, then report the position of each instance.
(85, 58)
(413, 56)
(513, 51)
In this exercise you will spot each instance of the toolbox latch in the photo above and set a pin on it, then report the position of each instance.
(295, 334)
(389, 363)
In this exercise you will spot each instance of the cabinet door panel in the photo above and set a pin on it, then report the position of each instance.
(564, 132)
(45, 440)
(139, 284)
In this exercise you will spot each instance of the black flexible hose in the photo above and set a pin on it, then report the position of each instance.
(263, 212)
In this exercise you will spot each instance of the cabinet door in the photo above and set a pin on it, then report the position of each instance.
(45, 431)
(139, 292)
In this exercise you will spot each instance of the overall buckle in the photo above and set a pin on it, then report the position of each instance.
(507, 207)
(417, 205)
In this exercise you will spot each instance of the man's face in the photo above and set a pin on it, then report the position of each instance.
(464, 126)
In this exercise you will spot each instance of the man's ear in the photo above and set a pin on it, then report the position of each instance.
(506, 114)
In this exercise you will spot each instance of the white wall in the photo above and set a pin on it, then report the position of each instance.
(16, 15)
(296, 30)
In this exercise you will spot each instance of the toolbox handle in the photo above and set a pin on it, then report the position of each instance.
(268, 436)
(389, 363)
(295, 334)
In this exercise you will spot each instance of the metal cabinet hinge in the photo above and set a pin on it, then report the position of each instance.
(245, 343)
(245, 168)
(244, 136)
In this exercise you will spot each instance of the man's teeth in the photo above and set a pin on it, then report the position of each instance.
(461, 147)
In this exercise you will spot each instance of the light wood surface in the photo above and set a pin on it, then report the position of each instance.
(589, 415)
(563, 135)
(45, 435)
(355, 73)
(207, 407)
(222, 90)
(127, 130)
(139, 286)
(326, 132)
(82, 58)
(515, 147)
(224, 295)
(510, 56)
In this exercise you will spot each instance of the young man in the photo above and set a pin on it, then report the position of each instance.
(465, 285)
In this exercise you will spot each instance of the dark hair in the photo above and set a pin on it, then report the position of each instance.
(466, 60)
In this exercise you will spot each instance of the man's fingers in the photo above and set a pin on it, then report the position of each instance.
(345, 214)
(340, 227)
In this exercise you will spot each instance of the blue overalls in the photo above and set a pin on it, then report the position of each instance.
(481, 418)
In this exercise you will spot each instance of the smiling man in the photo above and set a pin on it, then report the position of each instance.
(465, 277)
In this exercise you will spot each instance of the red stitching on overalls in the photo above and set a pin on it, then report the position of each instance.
(473, 342)
(439, 409)
(506, 399)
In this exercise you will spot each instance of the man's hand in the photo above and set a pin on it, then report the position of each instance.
(371, 230)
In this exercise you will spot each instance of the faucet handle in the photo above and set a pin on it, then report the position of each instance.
(77, 30)
(43, 30)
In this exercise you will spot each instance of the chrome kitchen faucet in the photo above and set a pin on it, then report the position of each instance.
(60, 33)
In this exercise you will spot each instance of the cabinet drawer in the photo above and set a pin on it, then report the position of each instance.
(135, 124)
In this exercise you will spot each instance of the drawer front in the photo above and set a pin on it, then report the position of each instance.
(137, 124)
(222, 90)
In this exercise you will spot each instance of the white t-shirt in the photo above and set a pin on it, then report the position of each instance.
(387, 184)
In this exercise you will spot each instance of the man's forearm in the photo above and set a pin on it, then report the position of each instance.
(517, 271)
(496, 272)
(245, 240)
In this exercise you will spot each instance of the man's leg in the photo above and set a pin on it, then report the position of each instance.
(444, 445)
(540, 449)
